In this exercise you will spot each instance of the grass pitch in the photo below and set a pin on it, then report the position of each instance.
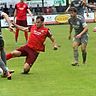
(52, 73)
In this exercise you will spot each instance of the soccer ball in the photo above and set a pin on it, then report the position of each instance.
(1, 71)
(94, 30)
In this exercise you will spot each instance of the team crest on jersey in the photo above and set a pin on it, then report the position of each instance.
(42, 31)
(78, 23)
(21, 8)
(36, 32)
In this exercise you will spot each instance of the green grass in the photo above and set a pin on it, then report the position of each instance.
(52, 73)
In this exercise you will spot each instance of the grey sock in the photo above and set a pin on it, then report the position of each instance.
(3, 56)
(2, 65)
(76, 55)
(84, 54)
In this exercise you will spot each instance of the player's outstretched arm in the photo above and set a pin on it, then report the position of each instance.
(55, 46)
(67, 9)
(30, 13)
(6, 17)
(91, 6)
(70, 31)
(84, 31)
(21, 27)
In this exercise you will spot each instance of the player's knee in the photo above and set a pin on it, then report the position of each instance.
(75, 48)
(15, 53)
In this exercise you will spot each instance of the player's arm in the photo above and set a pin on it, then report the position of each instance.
(86, 11)
(70, 31)
(91, 6)
(55, 46)
(6, 17)
(67, 9)
(84, 31)
(21, 27)
(29, 12)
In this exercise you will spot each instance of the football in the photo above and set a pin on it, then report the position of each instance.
(94, 30)
(1, 71)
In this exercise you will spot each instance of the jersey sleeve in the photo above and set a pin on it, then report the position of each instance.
(82, 20)
(84, 24)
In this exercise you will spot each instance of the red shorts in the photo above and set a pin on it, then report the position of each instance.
(22, 23)
(31, 55)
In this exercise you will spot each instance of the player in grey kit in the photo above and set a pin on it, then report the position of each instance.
(81, 34)
(79, 5)
(2, 53)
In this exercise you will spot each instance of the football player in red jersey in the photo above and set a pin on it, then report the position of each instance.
(35, 44)
(20, 14)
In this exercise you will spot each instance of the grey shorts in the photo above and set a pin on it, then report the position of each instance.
(83, 39)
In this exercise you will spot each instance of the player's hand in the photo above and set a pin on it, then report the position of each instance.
(78, 36)
(31, 15)
(13, 22)
(11, 29)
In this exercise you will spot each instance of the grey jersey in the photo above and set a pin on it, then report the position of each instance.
(79, 6)
(0, 24)
(78, 24)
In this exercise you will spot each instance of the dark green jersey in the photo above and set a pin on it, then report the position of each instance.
(78, 24)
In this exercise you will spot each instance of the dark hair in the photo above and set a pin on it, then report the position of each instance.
(41, 18)
(73, 9)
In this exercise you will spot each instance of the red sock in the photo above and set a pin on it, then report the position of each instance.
(16, 34)
(26, 35)
(8, 56)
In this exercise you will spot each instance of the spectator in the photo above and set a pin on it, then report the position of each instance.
(11, 11)
(60, 8)
(38, 10)
(5, 9)
(48, 10)
(54, 11)
(1, 9)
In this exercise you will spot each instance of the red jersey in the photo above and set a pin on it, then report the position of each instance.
(21, 11)
(37, 37)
